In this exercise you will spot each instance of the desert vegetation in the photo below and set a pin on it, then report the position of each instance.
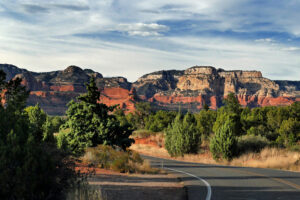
(39, 153)
(230, 135)
(35, 147)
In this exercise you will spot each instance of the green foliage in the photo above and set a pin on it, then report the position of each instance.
(289, 132)
(26, 159)
(140, 116)
(272, 123)
(251, 143)
(223, 116)
(56, 122)
(90, 124)
(182, 136)
(232, 104)
(37, 118)
(224, 143)
(160, 120)
(205, 121)
(230, 112)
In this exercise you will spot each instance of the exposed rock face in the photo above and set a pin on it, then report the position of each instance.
(189, 89)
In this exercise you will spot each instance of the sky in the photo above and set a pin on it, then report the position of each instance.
(133, 37)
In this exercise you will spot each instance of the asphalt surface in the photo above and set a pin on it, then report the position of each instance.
(215, 182)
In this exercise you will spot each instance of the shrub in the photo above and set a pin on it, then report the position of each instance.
(289, 132)
(182, 136)
(109, 158)
(251, 143)
(224, 143)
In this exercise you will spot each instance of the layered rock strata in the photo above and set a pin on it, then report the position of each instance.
(187, 89)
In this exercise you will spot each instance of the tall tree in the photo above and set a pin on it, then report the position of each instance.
(26, 161)
(91, 123)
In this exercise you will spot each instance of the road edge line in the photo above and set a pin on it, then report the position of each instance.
(208, 195)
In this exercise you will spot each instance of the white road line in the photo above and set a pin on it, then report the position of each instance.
(208, 196)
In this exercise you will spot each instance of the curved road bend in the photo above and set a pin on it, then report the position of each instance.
(215, 182)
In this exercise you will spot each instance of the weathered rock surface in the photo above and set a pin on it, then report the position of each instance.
(189, 89)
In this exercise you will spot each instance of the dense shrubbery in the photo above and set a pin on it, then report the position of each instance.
(160, 120)
(28, 148)
(31, 166)
(182, 136)
(89, 124)
(274, 126)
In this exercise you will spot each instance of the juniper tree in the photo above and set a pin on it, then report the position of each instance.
(90, 123)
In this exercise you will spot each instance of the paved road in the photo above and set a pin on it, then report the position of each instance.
(213, 182)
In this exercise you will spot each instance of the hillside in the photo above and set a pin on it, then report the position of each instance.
(188, 89)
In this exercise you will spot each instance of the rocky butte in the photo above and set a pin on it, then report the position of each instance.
(188, 89)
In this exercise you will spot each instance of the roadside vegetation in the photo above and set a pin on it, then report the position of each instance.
(39, 153)
(230, 135)
(35, 147)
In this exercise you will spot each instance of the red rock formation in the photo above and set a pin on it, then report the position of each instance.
(186, 89)
(119, 96)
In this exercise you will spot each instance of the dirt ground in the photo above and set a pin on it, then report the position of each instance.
(117, 186)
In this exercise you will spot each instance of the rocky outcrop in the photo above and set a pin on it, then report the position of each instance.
(200, 85)
(188, 89)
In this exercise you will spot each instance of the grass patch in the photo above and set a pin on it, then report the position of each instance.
(106, 157)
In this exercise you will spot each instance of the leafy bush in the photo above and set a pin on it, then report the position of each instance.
(251, 143)
(289, 132)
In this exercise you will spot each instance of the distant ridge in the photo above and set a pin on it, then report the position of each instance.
(189, 89)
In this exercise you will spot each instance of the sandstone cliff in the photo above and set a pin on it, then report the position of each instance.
(189, 89)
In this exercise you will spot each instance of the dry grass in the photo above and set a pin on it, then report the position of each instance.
(270, 158)
(125, 162)
(267, 158)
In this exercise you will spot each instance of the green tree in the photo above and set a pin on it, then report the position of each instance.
(37, 117)
(224, 143)
(143, 110)
(159, 120)
(289, 132)
(232, 104)
(90, 123)
(56, 122)
(27, 162)
(205, 121)
(182, 136)
(232, 112)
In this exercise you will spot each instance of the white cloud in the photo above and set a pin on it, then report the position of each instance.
(44, 37)
(142, 29)
(291, 49)
(265, 40)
